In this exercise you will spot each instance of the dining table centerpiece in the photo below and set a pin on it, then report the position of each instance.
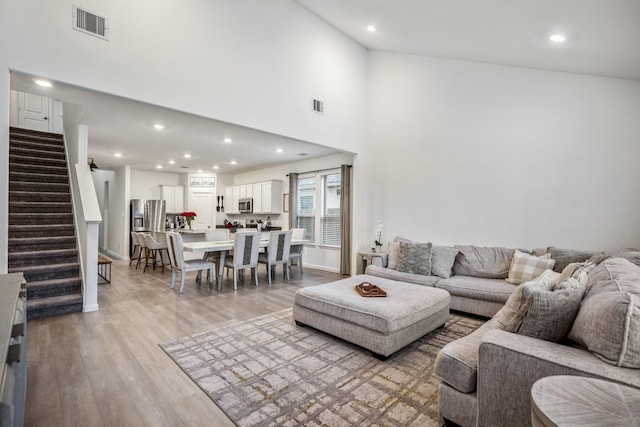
(188, 217)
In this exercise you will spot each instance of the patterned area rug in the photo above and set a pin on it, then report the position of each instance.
(268, 371)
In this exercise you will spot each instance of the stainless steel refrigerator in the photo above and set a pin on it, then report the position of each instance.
(147, 215)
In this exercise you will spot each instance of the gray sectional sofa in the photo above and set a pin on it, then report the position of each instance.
(550, 325)
(474, 276)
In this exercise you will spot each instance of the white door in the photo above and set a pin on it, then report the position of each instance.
(33, 112)
(202, 204)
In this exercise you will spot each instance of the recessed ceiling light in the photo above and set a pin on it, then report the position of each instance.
(233, 162)
(371, 28)
(43, 83)
(159, 167)
(172, 162)
(117, 154)
(279, 150)
(158, 126)
(199, 170)
(216, 167)
(187, 156)
(228, 140)
(557, 38)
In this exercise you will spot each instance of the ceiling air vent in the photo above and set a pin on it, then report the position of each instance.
(90, 23)
(318, 106)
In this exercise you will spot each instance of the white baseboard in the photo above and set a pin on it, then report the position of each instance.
(321, 267)
(116, 255)
(89, 308)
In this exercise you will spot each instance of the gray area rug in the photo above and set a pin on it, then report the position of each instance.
(268, 371)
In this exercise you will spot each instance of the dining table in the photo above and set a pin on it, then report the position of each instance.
(224, 246)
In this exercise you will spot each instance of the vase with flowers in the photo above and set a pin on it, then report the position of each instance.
(188, 217)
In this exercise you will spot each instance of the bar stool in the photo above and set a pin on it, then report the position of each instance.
(155, 248)
(135, 245)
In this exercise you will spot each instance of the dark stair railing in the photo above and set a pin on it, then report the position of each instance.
(42, 242)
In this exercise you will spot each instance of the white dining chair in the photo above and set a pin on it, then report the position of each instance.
(178, 263)
(215, 235)
(245, 255)
(295, 253)
(277, 253)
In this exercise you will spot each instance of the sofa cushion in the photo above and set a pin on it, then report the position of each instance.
(416, 279)
(551, 312)
(487, 262)
(415, 258)
(564, 257)
(394, 248)
(457, 363)
(442, 260)
(496, 290)
(525, 267)
(510, 317)
(608, 322)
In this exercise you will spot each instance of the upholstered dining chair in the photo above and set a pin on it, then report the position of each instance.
(178, 263)
(155, 248)
(245, 255)
(215, 235)
(143, 249)
(277, 253)
(295, 254)
(135, 248)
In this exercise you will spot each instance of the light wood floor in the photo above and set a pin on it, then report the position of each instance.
(105, 368)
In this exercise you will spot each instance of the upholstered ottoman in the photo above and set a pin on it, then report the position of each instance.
(381, 324)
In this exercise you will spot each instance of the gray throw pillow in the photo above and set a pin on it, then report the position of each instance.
(394, 248)
(551, 312)
(510, 316)
(486, 262)
(414, 258)
(442, 260)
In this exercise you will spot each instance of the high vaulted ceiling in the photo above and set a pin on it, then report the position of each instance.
(603, 36)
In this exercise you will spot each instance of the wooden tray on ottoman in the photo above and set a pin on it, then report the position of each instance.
(367, 289)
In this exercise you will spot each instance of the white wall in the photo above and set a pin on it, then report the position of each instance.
(323, 258)
(146, 184)
(254, 63)
(466, 152)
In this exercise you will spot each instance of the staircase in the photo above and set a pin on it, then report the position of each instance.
(42, 241)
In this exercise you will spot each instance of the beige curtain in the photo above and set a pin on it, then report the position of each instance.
(293, 198)
(345, 220)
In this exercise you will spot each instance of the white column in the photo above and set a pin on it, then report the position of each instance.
(5, 90)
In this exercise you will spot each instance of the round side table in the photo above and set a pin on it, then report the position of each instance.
(580, 401)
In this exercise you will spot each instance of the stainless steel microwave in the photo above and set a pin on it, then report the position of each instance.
(245, 205)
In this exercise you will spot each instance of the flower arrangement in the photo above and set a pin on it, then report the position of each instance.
(378, 235)
(188, 217)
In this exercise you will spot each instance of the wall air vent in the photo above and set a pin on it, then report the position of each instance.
(90, 23)
(318, 106)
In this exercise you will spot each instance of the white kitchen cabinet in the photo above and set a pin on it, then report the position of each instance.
(229, 203)
(236, 198)
(256, 190)
(271, 197)
(173, 195)
(242, 189)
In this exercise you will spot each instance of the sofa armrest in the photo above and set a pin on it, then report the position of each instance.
(509, 364)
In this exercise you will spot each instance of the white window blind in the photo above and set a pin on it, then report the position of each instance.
(320, 220)
(330, 217)
(306, 207)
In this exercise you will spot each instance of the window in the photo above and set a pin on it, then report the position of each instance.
(321, 220)
(306, 207)
(330, 217)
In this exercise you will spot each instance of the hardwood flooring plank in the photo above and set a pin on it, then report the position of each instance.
(105, 368)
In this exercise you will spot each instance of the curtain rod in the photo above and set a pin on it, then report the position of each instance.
(321, 170)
